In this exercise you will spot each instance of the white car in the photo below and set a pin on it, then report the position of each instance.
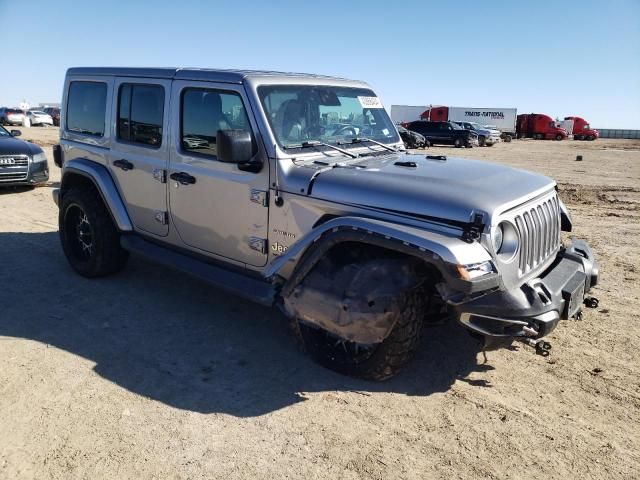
(38, 117)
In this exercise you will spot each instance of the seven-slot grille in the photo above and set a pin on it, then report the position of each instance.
(539, 231)
(13, 168)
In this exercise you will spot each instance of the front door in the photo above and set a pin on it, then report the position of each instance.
(217, 208)
(140, 150)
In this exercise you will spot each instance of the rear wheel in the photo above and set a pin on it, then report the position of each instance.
(89, 238)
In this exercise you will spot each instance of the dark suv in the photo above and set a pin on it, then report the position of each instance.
(444, 133)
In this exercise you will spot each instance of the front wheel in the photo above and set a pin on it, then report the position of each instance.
(559, 137)
(378, 361)
(482, 141)
(458, 143)
(89, 238)
(590, 138)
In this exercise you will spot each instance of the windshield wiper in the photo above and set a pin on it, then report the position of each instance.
(316, 143)
(364, 139)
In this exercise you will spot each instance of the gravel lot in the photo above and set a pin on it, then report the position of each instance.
(151, 374)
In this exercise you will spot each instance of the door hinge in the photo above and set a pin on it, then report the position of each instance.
(162, 217)
(258, 244)
(160, 175)
(260, 197)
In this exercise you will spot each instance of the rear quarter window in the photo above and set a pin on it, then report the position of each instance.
(86, 108)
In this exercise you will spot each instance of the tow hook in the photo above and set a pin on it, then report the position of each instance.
(591, 302)
(542, 347)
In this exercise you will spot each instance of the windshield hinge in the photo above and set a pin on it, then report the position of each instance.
(474, 229)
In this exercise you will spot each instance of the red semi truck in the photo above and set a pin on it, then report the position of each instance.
(539, 126)
(582, 130)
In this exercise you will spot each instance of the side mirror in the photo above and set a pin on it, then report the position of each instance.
(15, 133)
(236, 146)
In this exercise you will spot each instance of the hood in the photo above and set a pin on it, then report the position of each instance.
(15, 146)
(452, 189)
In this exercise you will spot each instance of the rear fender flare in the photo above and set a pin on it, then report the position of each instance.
(104, 184)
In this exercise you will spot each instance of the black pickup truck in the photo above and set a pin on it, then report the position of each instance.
(444, 133)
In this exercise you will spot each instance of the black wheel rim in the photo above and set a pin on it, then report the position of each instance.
(79, 232)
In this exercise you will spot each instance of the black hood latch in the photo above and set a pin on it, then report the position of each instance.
(474, 229)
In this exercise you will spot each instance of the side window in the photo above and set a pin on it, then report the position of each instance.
(204, 112)
(140, 113)
(86, 107)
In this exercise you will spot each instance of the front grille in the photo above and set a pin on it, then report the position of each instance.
(15, 171)
(539, 231)
(17, 161)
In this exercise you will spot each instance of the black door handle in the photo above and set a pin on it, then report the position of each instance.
(183, 178)
(123, 164)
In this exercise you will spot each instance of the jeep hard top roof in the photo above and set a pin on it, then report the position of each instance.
(212, 75)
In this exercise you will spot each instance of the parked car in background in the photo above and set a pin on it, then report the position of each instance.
(38, 117)
(11, 116)
(21, 163)
(539, 126)
(54, 112)
(444, 133)
(503, 119)
(485, 136)
(412, 139)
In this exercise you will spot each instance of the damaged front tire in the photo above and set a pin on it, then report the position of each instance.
(370, 322)
(378, 361)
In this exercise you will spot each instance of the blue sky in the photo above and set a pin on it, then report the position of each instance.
(560, 58)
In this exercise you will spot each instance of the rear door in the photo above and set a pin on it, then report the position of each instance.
(140, 149)
(221, 209)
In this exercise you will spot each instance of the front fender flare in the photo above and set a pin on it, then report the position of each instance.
(442, 251)
(102, 180)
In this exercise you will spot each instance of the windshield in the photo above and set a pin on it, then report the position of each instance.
(328, 114)
(37, 112)
(4, 132)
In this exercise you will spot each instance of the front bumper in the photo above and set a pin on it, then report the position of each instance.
(534, 309)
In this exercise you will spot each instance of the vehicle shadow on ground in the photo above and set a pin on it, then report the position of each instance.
(178, 341)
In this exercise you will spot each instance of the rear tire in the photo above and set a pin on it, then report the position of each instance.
(89, 238)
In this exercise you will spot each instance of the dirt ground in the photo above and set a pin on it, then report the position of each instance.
(151, 374)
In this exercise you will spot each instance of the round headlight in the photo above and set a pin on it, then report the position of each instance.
(497, 237)
(505, 241)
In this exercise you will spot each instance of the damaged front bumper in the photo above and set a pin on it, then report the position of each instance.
(533, 310)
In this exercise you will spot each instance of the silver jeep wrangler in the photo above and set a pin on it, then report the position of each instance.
(296, 191)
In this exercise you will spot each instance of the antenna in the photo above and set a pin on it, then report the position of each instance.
(277, 198)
